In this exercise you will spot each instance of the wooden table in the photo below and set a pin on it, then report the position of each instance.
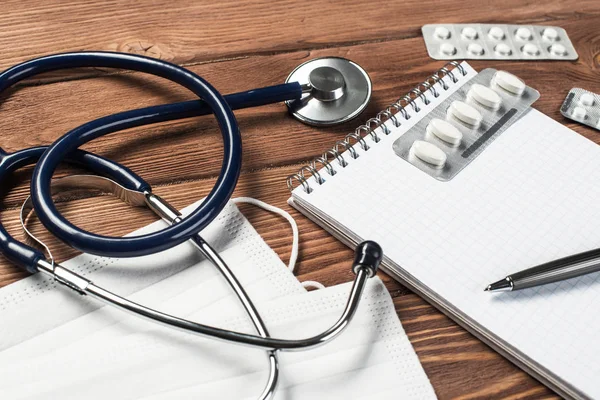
(241, 45)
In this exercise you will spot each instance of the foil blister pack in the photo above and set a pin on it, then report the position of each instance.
(497, 42)
(582, 106)
(459, 129)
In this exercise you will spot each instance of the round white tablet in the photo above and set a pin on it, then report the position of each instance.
(587, 99)
(550, 34)
(496, 33)
(475, 49)
(558, 49)
(447, 49)
(485, 96)
(465, 113)
(429, 153)
(579, 113)
(509, 82)
(442, 32)
(524, 33)
(531, 49)
(445, 131)
(503, 49)
(469, 33)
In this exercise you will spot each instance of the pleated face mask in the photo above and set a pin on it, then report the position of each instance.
(59, 346)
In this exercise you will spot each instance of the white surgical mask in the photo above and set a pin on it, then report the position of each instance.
(82, 350)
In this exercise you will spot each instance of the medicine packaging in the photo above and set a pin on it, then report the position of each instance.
(451, 135)
(497, 42)
(582, 106)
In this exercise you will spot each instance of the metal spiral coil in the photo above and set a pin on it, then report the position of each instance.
(347, 146)
(394, 112)
(359, 139)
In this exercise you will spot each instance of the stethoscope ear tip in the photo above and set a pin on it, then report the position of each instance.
(368, 255)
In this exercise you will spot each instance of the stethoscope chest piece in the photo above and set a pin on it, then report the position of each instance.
(335, 91)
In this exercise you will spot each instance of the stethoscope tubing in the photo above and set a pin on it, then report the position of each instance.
(152, 242)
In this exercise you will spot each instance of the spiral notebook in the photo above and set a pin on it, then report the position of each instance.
(531, 196)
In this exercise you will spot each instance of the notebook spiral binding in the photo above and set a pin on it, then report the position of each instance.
(394, 112)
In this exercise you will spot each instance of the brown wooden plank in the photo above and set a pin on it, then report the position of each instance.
(193, 144)
(444, 347)
(257, 43)
(191, 31)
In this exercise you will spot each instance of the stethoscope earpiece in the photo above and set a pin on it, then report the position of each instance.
(335, 90)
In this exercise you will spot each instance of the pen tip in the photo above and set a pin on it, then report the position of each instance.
(488, 288)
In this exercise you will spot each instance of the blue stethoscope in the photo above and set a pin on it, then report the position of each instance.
(320, 92)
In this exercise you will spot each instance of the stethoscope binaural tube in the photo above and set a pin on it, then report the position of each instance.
(368, 256)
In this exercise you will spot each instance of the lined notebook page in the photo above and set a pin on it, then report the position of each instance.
(532, 196)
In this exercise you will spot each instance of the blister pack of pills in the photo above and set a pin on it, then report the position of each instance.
(458, 130)
(582, 106)
(497, 42)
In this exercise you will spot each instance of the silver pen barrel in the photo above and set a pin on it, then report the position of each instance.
(553, 271)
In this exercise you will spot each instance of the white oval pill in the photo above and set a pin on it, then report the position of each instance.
(469, 33)
(524, 33)
(475, 49)
(503, 49)
(447, 49)
(485, 96)
(579, 113)
(496, 33)
(558, 49)
(445, 131)
(442, 32)
(509, 82)
(531, 49)
(465, 113)
(429, 153)
(550, 34)
(587, 99)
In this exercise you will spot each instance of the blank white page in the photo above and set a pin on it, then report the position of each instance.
(530, 197)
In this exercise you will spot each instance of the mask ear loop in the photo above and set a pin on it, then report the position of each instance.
(295, 234)
(26, 210)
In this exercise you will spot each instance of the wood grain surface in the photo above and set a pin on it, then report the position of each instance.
(237, 46)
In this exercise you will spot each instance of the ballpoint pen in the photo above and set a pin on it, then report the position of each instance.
(553, 271)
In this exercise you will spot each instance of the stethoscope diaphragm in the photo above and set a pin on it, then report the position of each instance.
(336, 90)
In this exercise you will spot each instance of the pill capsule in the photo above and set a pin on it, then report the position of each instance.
(579, 113)
(470, 33)
(445, 131)
(558, 49)
(485, 96)
(509, 82)
(530, 49)
(496, 33)
(475, 49)
(465, 113)
(429, 153)
(550, 34)
(587, 99)
(447, 49)
(524, 33)
(442, 32)
(503, 49)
